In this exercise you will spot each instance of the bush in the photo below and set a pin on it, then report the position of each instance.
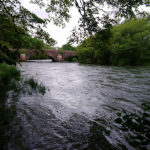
(71, 59)
(8, 73)
(7, 56)
(86, 54)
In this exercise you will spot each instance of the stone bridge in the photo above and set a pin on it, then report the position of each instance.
(52, 54)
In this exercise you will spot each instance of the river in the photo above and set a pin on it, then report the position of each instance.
(79, 109)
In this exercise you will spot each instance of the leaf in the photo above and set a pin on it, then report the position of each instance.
(118, 120)
(119, 114)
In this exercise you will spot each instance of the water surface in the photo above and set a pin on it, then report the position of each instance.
(78, 111)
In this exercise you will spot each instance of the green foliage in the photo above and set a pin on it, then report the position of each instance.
(7, 73)
(71, 59)
(31, 43)
(35, 85)
(86, 55)
(86, 52)
(22, 51)
(60, 51)
(43, 35)
(60, 9)
(39, 54)
(10, 57)
(18, 26)
(138, 123)
(68, 47)
(32, 83)
(131, 43)
(94, 16)
(47, 47)
(96, 49)
(124, 44)
(15, 21)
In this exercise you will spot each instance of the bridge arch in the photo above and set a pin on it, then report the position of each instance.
(53, 59)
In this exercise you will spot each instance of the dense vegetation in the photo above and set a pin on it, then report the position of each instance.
(71, 59)
(125, 44)
(68, 47)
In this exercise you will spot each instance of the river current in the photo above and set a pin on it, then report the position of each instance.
(79, 109)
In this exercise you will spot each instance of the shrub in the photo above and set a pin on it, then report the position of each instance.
(8, 73)
(71, 59)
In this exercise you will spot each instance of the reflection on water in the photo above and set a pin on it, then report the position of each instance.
(79, 110)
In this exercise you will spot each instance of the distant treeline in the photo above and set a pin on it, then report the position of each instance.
(124, 44)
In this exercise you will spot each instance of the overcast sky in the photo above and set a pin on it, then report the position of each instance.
(59, 34)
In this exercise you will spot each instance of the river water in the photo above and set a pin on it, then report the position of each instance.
(79, 109)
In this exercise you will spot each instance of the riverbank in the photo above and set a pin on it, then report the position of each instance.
(9, 76)
(12, 85)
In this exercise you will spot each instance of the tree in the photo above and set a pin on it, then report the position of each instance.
(68, 46)
(16, 20)
(94, 18)
(130, 43)
(125, 44)
(18, 24)
(96, 49)
(32, 43)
